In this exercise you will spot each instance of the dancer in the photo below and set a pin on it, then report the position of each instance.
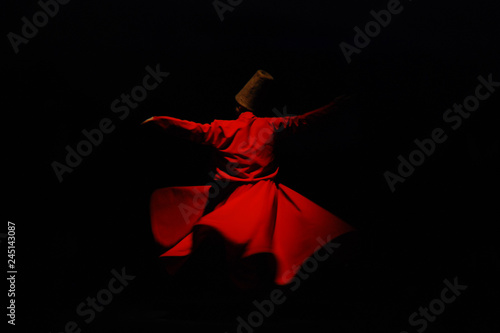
(244, 206)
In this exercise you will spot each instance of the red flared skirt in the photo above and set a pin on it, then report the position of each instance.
(258, 217)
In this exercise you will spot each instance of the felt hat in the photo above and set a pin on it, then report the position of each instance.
(252, 93)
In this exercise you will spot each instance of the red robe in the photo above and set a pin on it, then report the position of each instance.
(252, 212)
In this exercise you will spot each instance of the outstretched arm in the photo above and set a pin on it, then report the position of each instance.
(293, 123)
(190, 130)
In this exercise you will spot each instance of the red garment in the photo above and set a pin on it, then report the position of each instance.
(256, 214)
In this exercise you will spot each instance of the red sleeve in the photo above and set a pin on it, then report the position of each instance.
(190, 130)
(294, 123)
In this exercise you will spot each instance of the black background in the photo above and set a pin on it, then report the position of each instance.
(438, 224)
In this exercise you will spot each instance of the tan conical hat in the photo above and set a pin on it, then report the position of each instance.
(253, 91)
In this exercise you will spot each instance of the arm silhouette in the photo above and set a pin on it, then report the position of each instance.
(189, 130)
